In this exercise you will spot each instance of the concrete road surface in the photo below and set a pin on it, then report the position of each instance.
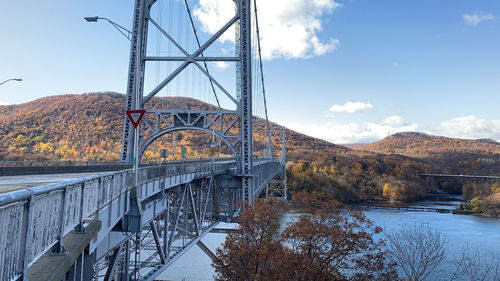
(9, 183)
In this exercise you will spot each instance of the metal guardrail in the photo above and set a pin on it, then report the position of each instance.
(5, 163)
(55, 163)
(34, 220)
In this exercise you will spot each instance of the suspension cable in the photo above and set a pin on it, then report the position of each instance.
(260, 60)
(262, 76)
(199, 46)
(158, 42)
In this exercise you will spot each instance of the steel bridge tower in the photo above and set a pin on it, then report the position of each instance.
(136, 98)
(97, 227)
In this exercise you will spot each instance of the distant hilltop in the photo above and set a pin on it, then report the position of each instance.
(416, 144)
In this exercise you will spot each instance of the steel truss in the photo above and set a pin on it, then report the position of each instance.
(137, 100)
(138, 58)
(277, 187)
(193, 209)
(223, 124)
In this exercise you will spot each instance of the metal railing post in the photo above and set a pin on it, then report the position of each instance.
(79, 227)
(60, 246)
(27, 248)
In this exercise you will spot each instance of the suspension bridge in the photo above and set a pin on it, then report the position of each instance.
(131, 224)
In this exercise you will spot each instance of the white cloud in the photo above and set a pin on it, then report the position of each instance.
(213, 14)
(351, 107)
(476, 18)
(354, 132)
(222, 64)
(288, 28)
(394, 120)
(4, 103)
(469, 127)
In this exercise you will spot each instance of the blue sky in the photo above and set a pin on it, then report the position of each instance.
(388, 65)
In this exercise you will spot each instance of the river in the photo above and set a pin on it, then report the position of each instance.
(478, 232)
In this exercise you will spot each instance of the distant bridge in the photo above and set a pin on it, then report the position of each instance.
(459, 176)
(133, 223)
(405, 208)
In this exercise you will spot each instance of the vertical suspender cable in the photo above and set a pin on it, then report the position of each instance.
(199, 46)
(158, 41)
(261, 71)
(260, 59)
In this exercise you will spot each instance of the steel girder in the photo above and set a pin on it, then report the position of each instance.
(223, 124)
(190, 213)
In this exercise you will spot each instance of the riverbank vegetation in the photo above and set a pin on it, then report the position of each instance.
(350, 177)
(353, 177)
(481, 198)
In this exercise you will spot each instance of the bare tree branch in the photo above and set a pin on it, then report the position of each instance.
(418, 250)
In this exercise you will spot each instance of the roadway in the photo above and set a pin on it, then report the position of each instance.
(10, 183)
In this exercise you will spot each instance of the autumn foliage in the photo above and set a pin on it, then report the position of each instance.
(324, 243)
(88, 127)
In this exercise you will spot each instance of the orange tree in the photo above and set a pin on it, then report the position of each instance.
(324, 243)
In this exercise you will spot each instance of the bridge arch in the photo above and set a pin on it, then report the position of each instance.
(220, 136)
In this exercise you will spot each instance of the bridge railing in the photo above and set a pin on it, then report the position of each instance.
(34, 220)
(8, 163)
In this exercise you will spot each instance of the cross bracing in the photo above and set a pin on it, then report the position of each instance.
(130, 225)
(184, 60)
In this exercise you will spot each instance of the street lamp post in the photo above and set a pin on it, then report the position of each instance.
(12, 79)
(134, 217)
(125, 32)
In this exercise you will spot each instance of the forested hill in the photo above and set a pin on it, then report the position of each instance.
(89, 127)
(422, 145)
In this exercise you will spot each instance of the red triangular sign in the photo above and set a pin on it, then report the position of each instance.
(135, 116)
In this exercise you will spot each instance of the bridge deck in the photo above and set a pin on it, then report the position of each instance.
(16, 182)
(10, 183)
(177, 197)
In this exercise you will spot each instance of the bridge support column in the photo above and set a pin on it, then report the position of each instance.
(135, 73)
(87, 266)
(244, 10)
(83, 268)
(125, 268)
(134, 217)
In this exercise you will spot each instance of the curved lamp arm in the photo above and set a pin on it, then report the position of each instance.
(12, 79)
(125, 32)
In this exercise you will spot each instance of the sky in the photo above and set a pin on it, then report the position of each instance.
(347, 71)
